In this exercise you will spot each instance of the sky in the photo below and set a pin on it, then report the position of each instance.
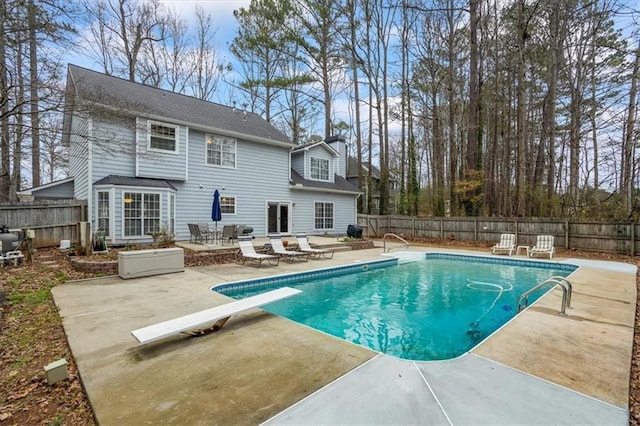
(223, 21)
(221, 10)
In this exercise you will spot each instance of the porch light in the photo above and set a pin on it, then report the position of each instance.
(128, 200)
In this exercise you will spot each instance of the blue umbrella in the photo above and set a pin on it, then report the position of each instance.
(216, 213)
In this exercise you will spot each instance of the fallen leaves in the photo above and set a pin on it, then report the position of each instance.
(31, 336)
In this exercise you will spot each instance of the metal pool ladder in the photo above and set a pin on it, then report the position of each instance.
(564, 283)
(392, 235)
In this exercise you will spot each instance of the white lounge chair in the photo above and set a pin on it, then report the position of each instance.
(544, 246)
(314, 253)
(201, 321)
(248, 252)
(278, 249)
(507, 244)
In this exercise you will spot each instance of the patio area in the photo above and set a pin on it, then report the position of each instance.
(540, 368)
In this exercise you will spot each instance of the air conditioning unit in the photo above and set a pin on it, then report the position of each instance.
(144, 263)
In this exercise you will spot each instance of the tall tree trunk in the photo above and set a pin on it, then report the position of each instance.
(34, 101)
(520, 113)
(626, 188)
(472, 154)
(548, 116)
(19, 127)
(5, 161)
(356, 95)
(451, 99)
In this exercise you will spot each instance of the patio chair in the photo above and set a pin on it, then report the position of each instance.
(228, 234)
(206, 232)
(544, 246)
(507, 244)
(314, 253)
(195, 236)
(278, 249)
(248, 252)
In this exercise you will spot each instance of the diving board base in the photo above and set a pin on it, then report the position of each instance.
(198, 322)
(215, 327)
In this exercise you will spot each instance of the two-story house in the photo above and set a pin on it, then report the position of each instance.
(145, 158)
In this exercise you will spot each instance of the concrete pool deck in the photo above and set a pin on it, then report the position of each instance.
(539, 368)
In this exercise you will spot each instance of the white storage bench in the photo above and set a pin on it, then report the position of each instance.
(144, 263)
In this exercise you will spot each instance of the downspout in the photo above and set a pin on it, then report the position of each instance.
(290, 152)
(90, 212)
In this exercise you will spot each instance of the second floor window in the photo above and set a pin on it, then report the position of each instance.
(319, 168)
(221, 151)
(162, 137)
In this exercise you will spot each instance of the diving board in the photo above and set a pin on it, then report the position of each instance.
(217, 316)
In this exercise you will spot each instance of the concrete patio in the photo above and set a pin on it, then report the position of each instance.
(539, 368)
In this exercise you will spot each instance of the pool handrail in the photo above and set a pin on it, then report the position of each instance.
(564, 283)
(569, 287)
(391, 234)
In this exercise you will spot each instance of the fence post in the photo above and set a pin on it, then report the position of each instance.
(475, 230)
(413, 227)
(566, 235)
(441, 229)
(633, 238)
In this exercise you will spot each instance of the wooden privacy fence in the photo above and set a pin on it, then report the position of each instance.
(613, 237)
(52, 220)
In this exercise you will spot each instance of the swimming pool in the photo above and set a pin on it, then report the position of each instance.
(436, 308)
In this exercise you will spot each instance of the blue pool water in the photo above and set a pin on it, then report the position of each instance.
(437, 308)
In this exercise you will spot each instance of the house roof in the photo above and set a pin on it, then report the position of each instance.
(352, 169)
(340, 185)
(62, 188)
(134, 181)
(323, 144)
(158, 103)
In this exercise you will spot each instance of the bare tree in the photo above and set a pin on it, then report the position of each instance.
(123, 28)
(207, 69)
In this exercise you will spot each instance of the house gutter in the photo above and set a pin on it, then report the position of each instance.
(301, 187)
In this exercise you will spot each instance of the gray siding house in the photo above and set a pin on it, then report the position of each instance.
(147, 159)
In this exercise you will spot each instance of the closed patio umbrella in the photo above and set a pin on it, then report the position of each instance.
(216, 213)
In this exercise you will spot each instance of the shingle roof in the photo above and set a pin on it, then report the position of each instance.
(341, 184)
(134, 181)
(141, 99)
(313, 144)
(352, 169)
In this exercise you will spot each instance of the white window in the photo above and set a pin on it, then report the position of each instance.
(324, 215)
(103, 212)
(228, 205)
(163, 137)
(221, 151)
(172, 213)
(319, 168)
(141, 213)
